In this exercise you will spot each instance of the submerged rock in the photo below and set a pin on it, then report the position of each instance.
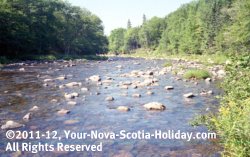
(154, 106)
(71, 122)
(34, 109)
(123, 108)
(11, 125)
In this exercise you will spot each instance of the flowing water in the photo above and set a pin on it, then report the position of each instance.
(21, 90)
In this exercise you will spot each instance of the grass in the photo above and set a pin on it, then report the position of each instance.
(168, 64)
(197, 74)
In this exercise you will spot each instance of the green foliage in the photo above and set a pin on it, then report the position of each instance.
(45, 27)
(131, 39)
(3, 60)
(194, 27)
(232, 121)
(116, 40)
(168, 64)
(197, 74)
(146, 36)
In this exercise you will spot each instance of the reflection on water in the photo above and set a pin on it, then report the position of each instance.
(20, 91)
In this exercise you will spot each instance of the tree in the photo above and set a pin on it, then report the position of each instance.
(144, 19)
(129, 25)
(48, 27)
(116, 40)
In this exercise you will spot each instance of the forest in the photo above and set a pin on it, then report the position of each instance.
(44, 27)
(199, 27)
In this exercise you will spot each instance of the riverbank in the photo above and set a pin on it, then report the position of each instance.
(206, 59)
(8, 60)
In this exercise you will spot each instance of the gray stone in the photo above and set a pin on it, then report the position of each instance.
(154, 106)
(189, 95)
(109, 98)
(123, 108)
(11, 125)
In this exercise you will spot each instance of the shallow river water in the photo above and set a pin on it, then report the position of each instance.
(21, 90)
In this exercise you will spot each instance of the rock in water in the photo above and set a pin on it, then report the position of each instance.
(123, 108)
(73, 84)
(109, 98)
(11, 125)
(21, 69)
(63, 112)
(154, 106)
(34, 109)
(71, 95)
(169, 87)
(136, 95)
(189, 95)
(84, 89)
(27, 117)
(95, 78)
(208, 80)
(73, 103)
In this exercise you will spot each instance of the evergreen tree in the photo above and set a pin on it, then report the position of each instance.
(129, 25)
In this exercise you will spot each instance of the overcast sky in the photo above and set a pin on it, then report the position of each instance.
(115, 13)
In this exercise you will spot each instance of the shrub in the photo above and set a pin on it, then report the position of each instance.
(197, 74)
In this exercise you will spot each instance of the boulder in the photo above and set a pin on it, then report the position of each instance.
(71, 95)
(107, 81)
(119, 66)
(34, 109)
(73, 103)
(95, 78)
(169, 87)
(154, 106)
(73, 84)
(124, 87)
(150, 73)
(123, 108)
(63, 112)
(27, 117)
(127, 83)
(21, 69)
(136, 95)
(11, 125)
(61, 78)
(48, 80)
(109, 98)
(84, 89)
(208, 79)
(150, 93)
(189, 95)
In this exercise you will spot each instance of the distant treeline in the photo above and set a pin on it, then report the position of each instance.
(204, 26)
(38, 27)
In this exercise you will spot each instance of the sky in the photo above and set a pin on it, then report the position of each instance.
(115, 13)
